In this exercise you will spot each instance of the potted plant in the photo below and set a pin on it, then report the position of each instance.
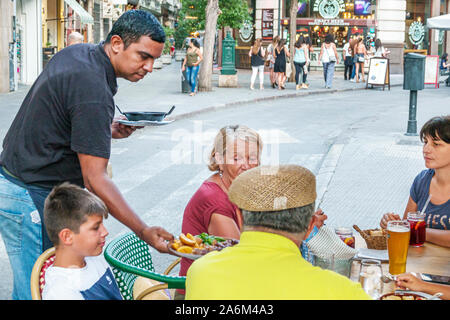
(157, 64)
(166, 58)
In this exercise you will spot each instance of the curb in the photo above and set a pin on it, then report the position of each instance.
(218, 107)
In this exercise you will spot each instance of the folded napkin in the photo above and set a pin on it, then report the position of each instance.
(364, 253)
(326, 243)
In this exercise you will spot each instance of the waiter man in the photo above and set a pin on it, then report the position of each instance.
(63, 132)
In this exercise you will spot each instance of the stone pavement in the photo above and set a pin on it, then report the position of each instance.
(370, 168)
(162, 89)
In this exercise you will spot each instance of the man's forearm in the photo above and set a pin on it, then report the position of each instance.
(106, 190)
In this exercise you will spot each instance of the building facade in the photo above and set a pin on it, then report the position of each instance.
(34, 30)
(399, 24)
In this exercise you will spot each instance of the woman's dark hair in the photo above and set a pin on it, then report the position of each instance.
(195, 43)
(281, 44)
(308, 41)
(444, 56)
(300, 41)
(329, 38)
(377, 44)
(437, 128)
(134, 24)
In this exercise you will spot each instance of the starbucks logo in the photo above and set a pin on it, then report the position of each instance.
(329, 9)
(246, 31)
(416, 32)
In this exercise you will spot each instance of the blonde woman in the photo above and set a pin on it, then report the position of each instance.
(236, 149)
(256, 54)
(271, 58)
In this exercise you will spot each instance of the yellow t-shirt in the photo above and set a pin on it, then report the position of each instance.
(265, 266)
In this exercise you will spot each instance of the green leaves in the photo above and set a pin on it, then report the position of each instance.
(193, 17)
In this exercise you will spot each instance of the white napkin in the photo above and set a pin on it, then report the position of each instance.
(326, 243)
(364, 253)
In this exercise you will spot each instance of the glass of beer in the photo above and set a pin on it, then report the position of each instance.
(397, 242)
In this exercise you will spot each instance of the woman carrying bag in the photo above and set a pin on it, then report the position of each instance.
(360, 55)
(256, 55)
(329, 58)
(270, 62)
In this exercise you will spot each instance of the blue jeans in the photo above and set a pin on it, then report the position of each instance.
(22, 230)
(328, 73)
(353, 71)
(191, 74)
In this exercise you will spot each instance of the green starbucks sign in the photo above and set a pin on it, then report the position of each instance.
(416, 32)
(329, 9)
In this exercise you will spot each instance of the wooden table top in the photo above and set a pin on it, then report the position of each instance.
(430, 258)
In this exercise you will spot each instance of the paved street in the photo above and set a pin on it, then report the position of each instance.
(351, 139)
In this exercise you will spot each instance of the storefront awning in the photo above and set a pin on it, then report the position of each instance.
(85, 17)
(440, 22)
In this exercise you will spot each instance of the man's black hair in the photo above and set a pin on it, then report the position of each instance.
(136, 23)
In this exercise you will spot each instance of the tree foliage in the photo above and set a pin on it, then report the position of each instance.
(234, 13)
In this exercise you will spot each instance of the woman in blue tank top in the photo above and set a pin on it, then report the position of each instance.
(434, 181)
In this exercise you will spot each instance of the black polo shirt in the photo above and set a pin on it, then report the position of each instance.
(68, 110)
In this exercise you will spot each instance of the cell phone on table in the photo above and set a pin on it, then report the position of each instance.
(435, 278)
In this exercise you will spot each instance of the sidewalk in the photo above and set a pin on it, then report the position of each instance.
(163, 89)
(370, 168)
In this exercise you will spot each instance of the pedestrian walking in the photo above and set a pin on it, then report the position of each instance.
(300, 63)
(329, 58)
(348, 61)
(280, 54)
(353, 43)
(191, 64)
(62, 133)
(310, 48)
(256, 54)
(271, 58)
(359, 58)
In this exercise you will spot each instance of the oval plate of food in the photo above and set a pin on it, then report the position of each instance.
(194, 247)
(408, 295)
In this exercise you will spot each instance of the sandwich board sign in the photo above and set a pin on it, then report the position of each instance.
(432, 70)
(379, 74)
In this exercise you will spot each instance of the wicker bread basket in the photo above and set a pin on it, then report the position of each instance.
(373, 242)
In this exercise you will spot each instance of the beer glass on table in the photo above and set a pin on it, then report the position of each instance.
(397, 242)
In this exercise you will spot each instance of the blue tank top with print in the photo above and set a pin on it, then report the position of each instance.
(437, 216)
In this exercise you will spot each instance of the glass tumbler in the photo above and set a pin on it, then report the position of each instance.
(370, 277)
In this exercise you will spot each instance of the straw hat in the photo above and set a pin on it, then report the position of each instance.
(273, 188)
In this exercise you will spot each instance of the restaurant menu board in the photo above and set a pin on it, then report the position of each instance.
(267, 24)
(378, 71)
(432, 70)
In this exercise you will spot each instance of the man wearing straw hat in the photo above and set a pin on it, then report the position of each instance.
(277, 204)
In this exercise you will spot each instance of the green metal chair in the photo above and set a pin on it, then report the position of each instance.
(129, 258)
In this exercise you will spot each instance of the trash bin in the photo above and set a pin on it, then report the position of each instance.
(184, 81)
(414, 71)
(413, 80)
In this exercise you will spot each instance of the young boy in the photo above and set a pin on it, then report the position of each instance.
(74, 221)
